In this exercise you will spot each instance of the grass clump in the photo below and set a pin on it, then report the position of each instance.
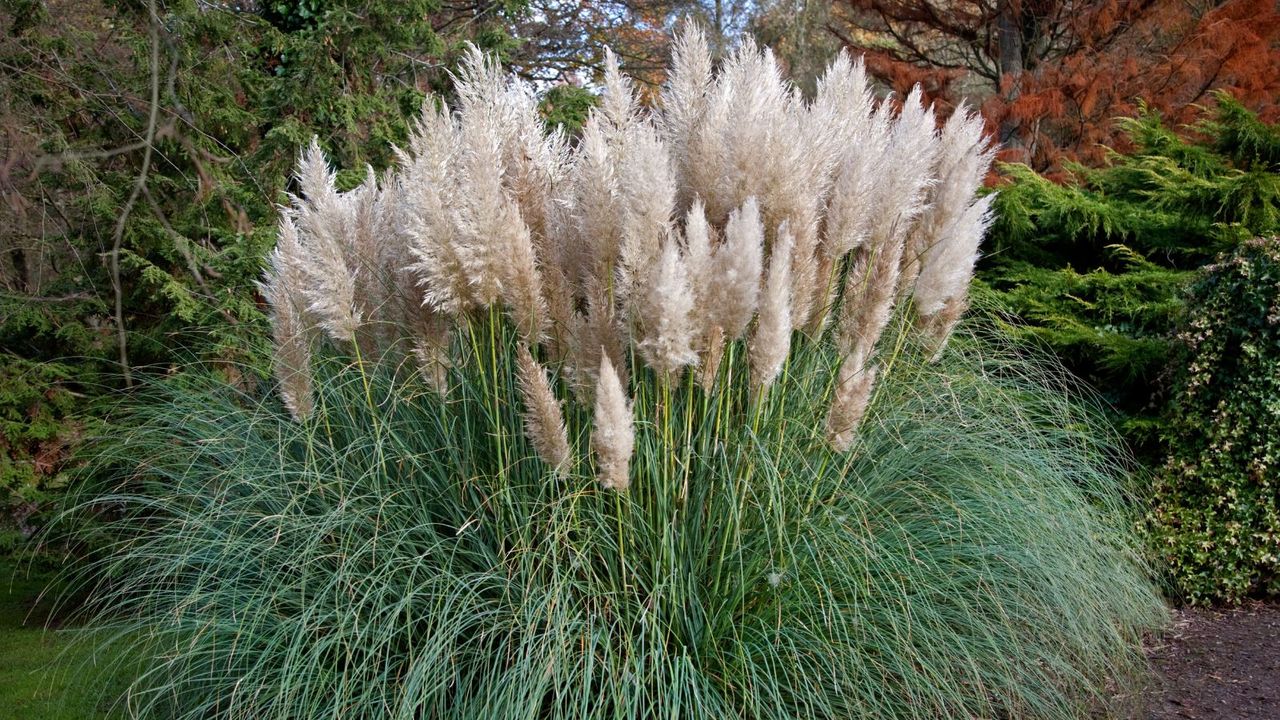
(971, 556)
(627, 428)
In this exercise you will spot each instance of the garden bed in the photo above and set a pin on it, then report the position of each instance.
(1218, 664)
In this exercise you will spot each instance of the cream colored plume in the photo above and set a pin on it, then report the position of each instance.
(869, 294)
(684, 99)
(945, 244)
(854, 196)
(849, 401)
(648, 189)
(644, 241)
(323, 218)
(663, 316)
(697, 247)
(743, 136)
(614, 436)
(591, 333)
(841, 110)
(595, 202)
(543, 418)
(772, 339)
(494, 244)
(428, 219)
(730, 286)
(937, 328)
(290, 327)
(618, 104)
(872, 283)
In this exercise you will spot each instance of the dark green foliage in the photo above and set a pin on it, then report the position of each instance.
(1096, 268)
(1216, 518)
(240, 87)
(39, 428)
(567, 106)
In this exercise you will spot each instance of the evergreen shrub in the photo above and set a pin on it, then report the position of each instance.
(1097, 267)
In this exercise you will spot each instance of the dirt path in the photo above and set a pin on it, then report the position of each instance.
(1218, 665)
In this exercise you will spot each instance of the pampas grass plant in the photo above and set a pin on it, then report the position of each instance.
(552, 445)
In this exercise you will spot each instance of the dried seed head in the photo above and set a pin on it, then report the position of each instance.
(290, 326)
(614, 436)
(323, 220)
(667, 332)
(772, 339)
(949, 231)
(709, 367)
(937, 328)
(730, 288)
(543, 420)
(648, 192)
(854, 384)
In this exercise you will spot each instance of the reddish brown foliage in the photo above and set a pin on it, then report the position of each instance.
(1051, 75)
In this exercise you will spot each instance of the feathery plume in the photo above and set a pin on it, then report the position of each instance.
(534, 161)
(854, 194)
(597, 206)
(841, 109)
(314, 176)
(697, 246)
(434, 362)
(684, 99)
(730, 288)
(614, 435)
(944, 247)
(869, 294)
(808, 296)
(522, 286)
(872, 283)
(322, 219)
(849, 401)
(561, 311)
(486, 218)
(946, 267)
(591, 334)
(619, 102)
(772, 339)
(290, 327)
(375, 251)
(494, 244)
(824, 296)
(663, 316)
(648, 190)
(429, 332)
(543, 419)
(901, 189)
(427, 217)
(709, 368)
(741, 144)
(937, 328)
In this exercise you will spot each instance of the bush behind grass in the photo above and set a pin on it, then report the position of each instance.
(405, 554)
(1215, 518)
(1098, 268)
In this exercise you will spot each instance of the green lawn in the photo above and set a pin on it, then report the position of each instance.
(44, 675)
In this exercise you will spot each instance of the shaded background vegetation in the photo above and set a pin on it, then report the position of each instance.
(145, 145)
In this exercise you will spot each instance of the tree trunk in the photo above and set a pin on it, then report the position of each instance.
(1009, 36)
